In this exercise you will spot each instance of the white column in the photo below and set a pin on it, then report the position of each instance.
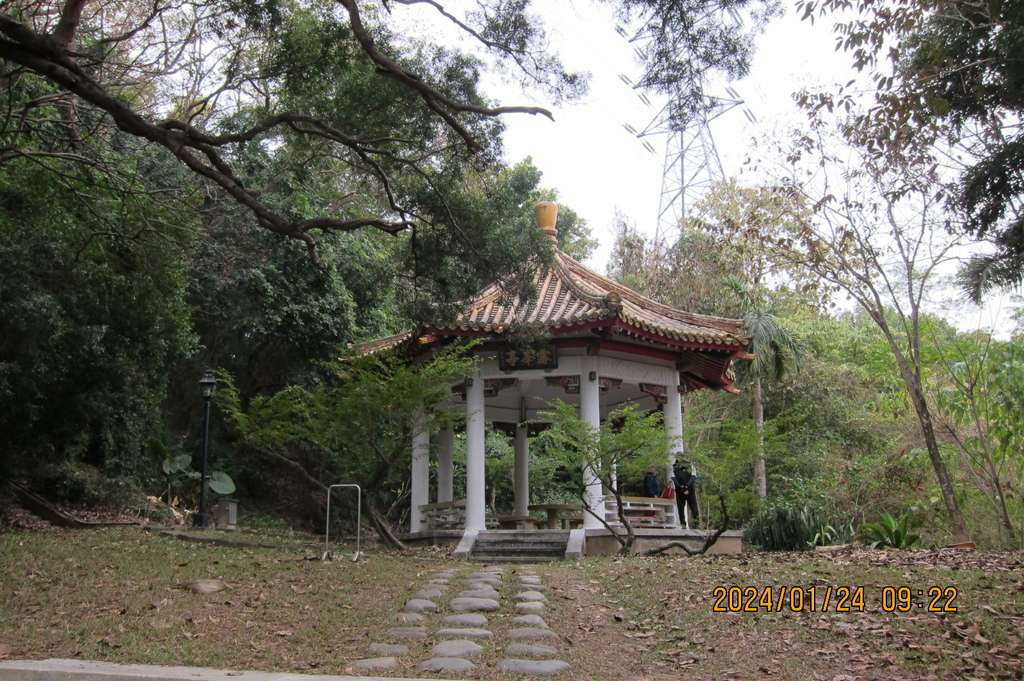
(445, 464)
(475, 490)
(522, 469)
(674, 430)
(420, 492)
(590, 412)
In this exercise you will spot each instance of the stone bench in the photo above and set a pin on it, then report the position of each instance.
(516, 522)
(643, 511)
(444, 515)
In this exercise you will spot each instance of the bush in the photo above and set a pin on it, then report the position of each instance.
(795, 528)
(888, 533)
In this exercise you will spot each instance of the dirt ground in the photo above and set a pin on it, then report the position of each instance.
(117, 594)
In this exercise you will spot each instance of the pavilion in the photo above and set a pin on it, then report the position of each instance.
(606, 346)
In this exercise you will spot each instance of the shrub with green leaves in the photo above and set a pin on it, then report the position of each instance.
(888, 533)
(794, 528)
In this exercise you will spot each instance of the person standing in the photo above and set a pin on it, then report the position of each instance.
(652, 486)
(686, 494)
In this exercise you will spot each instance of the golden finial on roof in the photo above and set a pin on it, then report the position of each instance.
(547, 216)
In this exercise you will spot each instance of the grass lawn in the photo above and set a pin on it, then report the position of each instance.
(115, 595)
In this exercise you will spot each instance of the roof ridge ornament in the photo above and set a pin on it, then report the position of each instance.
(613, 302)
(547, 215)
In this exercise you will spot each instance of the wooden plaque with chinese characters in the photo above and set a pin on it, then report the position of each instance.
(541, 356)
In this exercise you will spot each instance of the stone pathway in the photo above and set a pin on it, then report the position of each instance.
(447, 625)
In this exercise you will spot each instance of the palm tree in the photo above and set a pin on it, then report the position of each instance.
(777, 354)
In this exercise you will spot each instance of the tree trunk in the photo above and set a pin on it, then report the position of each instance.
(961, 534)
(386, 535)
(760, 476)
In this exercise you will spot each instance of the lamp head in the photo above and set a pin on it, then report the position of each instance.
(208, 384)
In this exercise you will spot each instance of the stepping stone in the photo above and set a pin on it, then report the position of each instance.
(431, 592)
(476, 605)
(375, 663)
(530, 621)
(532, 607)
(464, 633)
(533, 587)
(409, 632)
(487, 592)
(468, 620)
(394, 649)
(532, 634)
(443, 575)
(421, 605)
(446, 664)
(438, 581)
(530, 651)
(480, 575)
(538, 667)
(407, 617)
(477, 583)
(457, 649)
(529, 579)
(526, 596)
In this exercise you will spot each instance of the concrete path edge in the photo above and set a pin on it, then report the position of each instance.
(465, 547)
(80, 670)
(577, 546)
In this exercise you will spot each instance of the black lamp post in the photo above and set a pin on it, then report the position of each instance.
(207, 384)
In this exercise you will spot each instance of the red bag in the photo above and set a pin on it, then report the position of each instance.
(670, 491)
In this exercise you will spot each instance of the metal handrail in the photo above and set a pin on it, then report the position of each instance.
(359, 522)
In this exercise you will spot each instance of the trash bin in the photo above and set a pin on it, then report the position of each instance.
(227, 514)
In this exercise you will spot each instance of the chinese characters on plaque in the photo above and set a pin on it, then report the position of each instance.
(513, 358)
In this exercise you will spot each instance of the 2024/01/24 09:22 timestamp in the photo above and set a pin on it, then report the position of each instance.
(831, 599)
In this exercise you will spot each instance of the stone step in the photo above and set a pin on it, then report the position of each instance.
(501, 557)
(521, 546)
(515, 546)
(561, 535)
(522, 540)
(527, 550)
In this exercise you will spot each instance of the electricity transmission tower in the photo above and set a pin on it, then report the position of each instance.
(691, 159)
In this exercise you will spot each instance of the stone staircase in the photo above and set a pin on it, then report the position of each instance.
(520, 546)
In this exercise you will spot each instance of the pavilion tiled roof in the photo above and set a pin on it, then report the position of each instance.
(570, 295)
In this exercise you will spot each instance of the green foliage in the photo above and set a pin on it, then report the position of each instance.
(788, 528)
(982, 409)
(93, 299)
(356, 427)
(888, 533)
(626, 445)
(221, 483)
(831, 536)
(177, 468)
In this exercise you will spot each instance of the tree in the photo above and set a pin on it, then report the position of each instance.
(982, 411)
(777, 353)
(952, 71)
(626, 445)
(354, 427)
(400, 125)
(880, 236)
(95, 316)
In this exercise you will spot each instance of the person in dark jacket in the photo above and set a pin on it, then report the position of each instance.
(686, 495)
(652, 486)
